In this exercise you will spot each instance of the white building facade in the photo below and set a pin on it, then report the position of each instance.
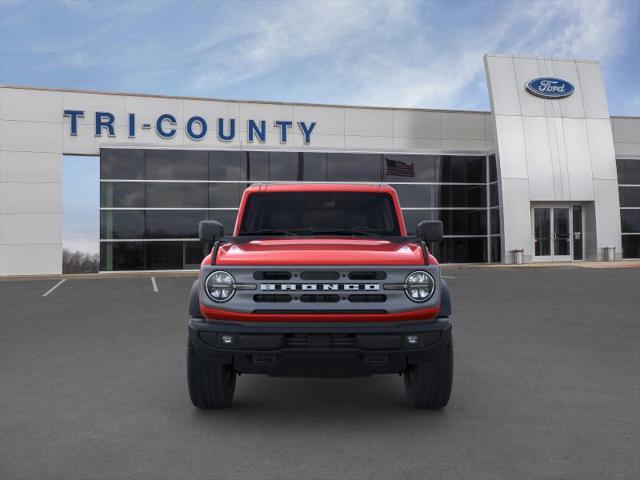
(546, 175)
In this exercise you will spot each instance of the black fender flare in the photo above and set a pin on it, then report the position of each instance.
(445, 301)
(194, 300)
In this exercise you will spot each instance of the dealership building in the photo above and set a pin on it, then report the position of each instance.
(546, 175)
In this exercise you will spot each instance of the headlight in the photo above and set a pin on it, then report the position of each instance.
(220, 286)
(419, 286)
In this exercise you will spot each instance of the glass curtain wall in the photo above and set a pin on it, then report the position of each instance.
(629, 191)
(152, 200)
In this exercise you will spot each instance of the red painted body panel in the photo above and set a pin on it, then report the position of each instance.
(320, 251)
(332, 251)
(217, 314)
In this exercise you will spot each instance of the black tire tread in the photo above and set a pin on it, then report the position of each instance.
(428, 385)
(211, 384)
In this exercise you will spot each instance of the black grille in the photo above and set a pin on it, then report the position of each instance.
(362, 298)
(272, 275)
(367, 275)
(319, 298)
(272, 298)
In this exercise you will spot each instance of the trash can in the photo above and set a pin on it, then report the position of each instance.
(518, 257)
(609, 254)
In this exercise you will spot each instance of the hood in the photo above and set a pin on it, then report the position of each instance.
(320, 251)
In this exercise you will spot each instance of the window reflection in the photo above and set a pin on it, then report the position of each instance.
(173, 223)
(177, 195)
(353, 167)
(225, 165)
(123, 164)
(122, 195)
(257, 166)
(121, 224)
(454, 186)
(285, 166)
(177, 165)
(628, 171)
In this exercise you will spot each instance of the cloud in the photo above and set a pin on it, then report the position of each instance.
(561, 29)
(274, 38)
(391, 53)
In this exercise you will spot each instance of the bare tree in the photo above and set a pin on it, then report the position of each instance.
(79, 262)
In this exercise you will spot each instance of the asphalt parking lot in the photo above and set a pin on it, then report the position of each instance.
(547, 385)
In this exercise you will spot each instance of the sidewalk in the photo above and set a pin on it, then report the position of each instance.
(577, 264)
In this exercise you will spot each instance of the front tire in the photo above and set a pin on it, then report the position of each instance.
(211, 383)
(428, 385)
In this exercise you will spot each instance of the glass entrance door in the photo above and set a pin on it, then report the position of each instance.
(542, 233)
(561, 234)
(557, 233)
(577, 232)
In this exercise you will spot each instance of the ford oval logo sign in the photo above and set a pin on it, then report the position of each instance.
(550, 87)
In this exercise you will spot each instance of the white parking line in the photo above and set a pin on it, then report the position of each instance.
(154, 284)
(444, 276)
(54, 287)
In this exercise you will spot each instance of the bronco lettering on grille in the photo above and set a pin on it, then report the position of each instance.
(322, 287)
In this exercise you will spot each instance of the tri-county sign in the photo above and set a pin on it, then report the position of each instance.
(550, 87)
(196, 127)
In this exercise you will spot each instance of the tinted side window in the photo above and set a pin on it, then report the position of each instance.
(493, 169)
(628, 171)
(460, 169)
(353, 167)
(314, 166)
(173, 223)
(177, 195)
(227, 165)
(226, 217)
(410, 168)
(124, 164)
(630, 221)
(258, 166)
(631, 246)
(121, 224)
(177, 165)
(164, 255)
(119, 195)
(285, 166)
(461, 250)
(225, 195)
(122, 256)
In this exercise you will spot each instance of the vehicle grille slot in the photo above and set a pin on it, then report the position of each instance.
(367, 275)
(272, 275)
(319, 275)
(272, 298)
(343, 340)
(320, 341)
(362, 298)
(296, 340)
(319, 298)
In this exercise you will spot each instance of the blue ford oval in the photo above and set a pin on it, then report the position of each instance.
(550, 87)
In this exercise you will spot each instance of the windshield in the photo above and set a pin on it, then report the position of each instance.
(319, 213)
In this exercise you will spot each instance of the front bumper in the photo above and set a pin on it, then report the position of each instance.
(319, 349)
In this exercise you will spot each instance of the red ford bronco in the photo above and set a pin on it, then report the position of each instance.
(320, 280)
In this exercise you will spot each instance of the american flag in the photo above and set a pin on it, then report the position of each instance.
(399, 168)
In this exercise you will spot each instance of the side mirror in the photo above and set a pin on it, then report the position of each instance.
(210, 230)
(430, 230)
